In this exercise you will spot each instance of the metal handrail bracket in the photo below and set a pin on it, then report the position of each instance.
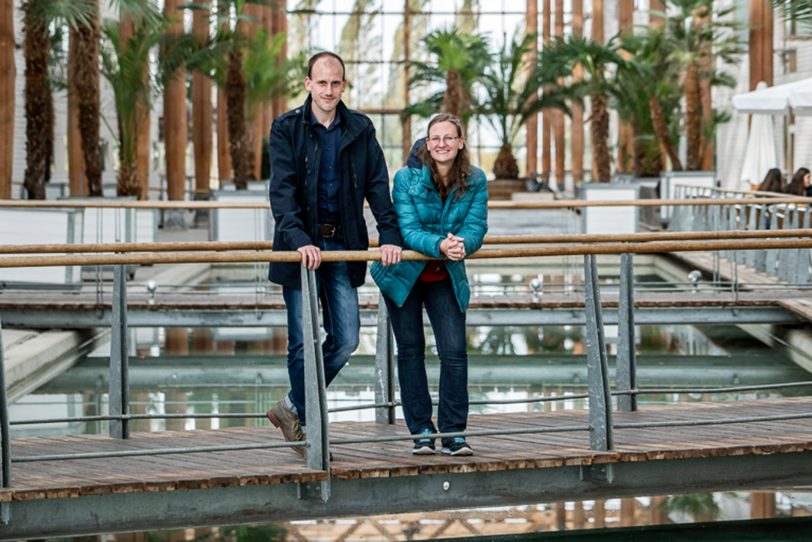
(626, 360)
(317, 451)
(384, 367)
(5, 440)
(600, 411)
(119, 356)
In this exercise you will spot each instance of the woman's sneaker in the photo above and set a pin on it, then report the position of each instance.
(456, 446)
(425, 445)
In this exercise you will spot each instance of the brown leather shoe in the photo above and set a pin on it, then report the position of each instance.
(287, 421)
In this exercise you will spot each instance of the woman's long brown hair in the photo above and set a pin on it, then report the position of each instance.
(796, 185)
(460, 169)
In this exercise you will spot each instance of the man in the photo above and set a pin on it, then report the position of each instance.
(324, 161)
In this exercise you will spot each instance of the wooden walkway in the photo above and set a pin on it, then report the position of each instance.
(799, 304)
(162, 473)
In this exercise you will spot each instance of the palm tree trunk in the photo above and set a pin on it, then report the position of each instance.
(648, 158)
(242, 157)
(175, 123)
(599, 134)
(693, 119)
(85, 82)
(201, 111)
(505, 166)
(36, 48)
(129, 181)
(454, 93)
(658, 121)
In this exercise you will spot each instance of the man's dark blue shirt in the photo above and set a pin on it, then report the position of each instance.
(329, 169)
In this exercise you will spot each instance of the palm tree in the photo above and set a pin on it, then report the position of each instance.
(648, 98)
(39, 17)
(126, 66)
(598, 61)
(266, 77)
(458, 60)
(250, 73)
(699, 37)
(509, 100)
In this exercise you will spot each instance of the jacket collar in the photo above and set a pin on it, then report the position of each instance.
(351, 127)
(427, 183)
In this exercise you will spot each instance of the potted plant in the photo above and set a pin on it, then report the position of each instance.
(510, 90)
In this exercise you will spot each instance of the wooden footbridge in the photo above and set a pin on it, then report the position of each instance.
(66, 485)
(520, 458)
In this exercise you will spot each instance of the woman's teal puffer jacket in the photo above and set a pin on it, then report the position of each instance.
(424, 223)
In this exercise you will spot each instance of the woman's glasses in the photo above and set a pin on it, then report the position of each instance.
(448, 140)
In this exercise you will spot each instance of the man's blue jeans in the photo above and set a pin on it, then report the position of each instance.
(448, 323)
(342, 322)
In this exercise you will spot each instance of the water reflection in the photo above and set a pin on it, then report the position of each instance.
(522, 522)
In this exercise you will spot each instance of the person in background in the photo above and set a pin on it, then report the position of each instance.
(325, 160)
(442, 209)
(773, 181)
(800, 183)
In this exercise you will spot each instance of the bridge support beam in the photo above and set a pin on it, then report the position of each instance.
(121, 512)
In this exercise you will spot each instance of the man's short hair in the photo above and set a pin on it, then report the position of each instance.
(325, 54)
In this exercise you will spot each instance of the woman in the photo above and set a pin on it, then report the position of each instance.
(442, 210)
(773, 181)
(800, 183)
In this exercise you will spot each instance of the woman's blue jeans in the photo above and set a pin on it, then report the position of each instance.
(342, 323)
(448, 323)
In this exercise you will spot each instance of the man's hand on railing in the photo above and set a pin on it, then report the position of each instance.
(311, 256)
(390, 254)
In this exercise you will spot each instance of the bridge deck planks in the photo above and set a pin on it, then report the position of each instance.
(72, 478)
(799, 304)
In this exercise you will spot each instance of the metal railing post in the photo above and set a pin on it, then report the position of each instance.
(677, 218)
(5, 440)
(789, 258)
(600, 410)
(384, 367)
(318, 441)
(118, 396)
(626, 370)
(805, 254)
(771, 258)
(753, 217)
(716, 220)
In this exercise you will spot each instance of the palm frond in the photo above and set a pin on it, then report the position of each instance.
(266, 77)
(70, 12)
(799, 11)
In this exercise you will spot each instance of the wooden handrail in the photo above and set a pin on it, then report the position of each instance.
(558, 204)
(217, 246)
(654, 247)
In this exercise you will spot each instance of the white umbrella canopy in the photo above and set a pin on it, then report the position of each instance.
(801, 100)
(759, 154)
(777, 100)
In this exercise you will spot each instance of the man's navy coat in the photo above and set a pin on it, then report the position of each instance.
(295, 154)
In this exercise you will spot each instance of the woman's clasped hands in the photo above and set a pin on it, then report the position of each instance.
(453, 247)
